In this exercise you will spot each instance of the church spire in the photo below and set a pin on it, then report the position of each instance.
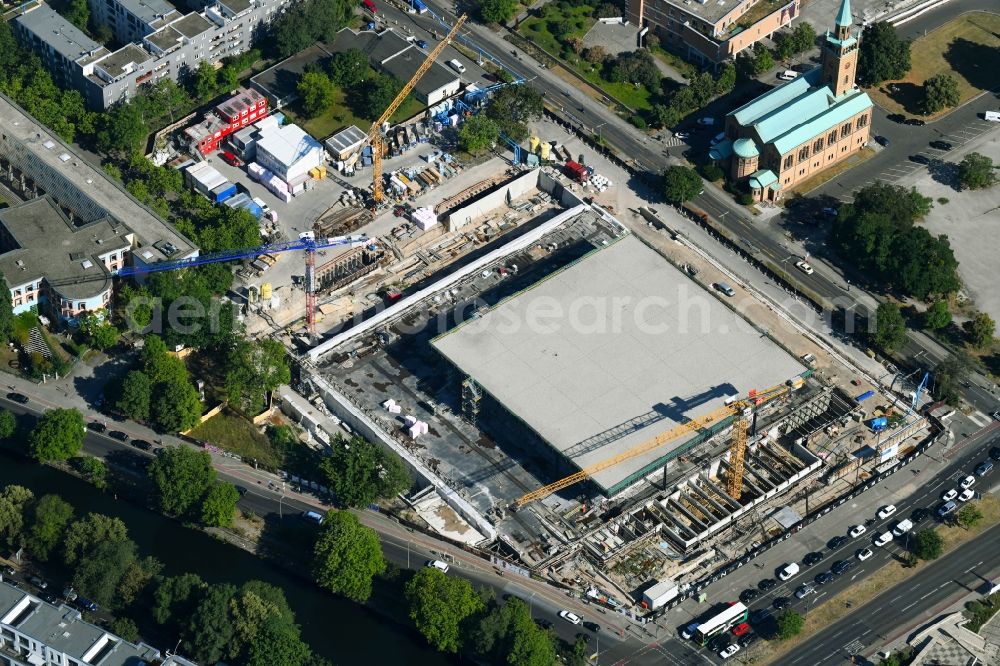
(844, 19)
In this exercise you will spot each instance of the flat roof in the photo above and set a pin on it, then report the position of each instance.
(57, 167)
(192, 25)
(62, 36)
(287, 144)
(118, 63)
(165, 38)
(147, 11)
(236, 7)
(280, 81)
(404, 65)
(346, 139)
(637, 343)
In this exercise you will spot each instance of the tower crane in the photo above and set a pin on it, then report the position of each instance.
(741, 409)
(306, 241)
(375, 133)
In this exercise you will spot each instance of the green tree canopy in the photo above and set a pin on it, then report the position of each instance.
(316, 93)
(635, 67)
(6, 311)
(8, 424)
(883, 55)
(277, 644)
(126, 628)
(347, 556)
(976, 171)
(969, 516)
(372, 97)
(50, 516)
(181, 477)
(14, 502)
(790, 624)
(176, 407)
(927, 544)
(478, 134)
(440, 605)
(95, 470)
(208, 632)
(349, 68)
(497, 11)
(359, 472)
(255, 368)
(136, 393)
(99, 573)
(83, 535)
(940, 92)
(890, 329)
(948, 377)
(512, 108)
(58, 435)
(100, 332)
(218, 509)
(507, 636)
(123, 129)
(938, 315)
(980, 329)
(681, 184)
(176, 597)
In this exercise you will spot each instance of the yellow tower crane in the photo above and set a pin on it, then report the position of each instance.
(375, 133)
(741, 408)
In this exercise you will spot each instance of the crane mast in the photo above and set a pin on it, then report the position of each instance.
(375, 133)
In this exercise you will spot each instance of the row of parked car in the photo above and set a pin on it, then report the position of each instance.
(41, 590)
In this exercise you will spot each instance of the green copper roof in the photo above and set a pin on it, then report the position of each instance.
(745, 148)
(805, 107)
(721, 150)
(807, 127)
(844, 15)
(752, 111)
(762, 178)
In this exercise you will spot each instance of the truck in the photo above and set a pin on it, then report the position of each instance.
(576, 171)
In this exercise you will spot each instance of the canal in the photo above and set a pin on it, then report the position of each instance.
(344, 632)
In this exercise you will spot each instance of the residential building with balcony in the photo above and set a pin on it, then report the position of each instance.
(711, 32)
(162, 42)
(801, 128)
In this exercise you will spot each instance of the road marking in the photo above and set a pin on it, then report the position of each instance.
(925, 596)
(910, 606)
(979, 418)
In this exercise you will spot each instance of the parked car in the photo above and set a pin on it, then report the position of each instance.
(995, 451)
(230, 159)
(886, 511)
(38, 582)
(86, 604)
(823, 579)
(688, 631)
(902, 527)
(920, 159)
(946, 508)
(881, 140)
(857, 531)
(804, 591)
(804, 267)
(781, 602)
(741, 629)
(767, 584)
(968, 482)
(760, 615)
(443, 567)
(142, 444)
(864, 554)
(97, 427)
(949, 494)
(836, 542)
(729, 651)
(724, 288)
(915, 122)
(119, 435)
(812, 558)
(747, 639)
(896, 117)
(421, 44)
(18, 397)
(592, 626)
(941, 145)
(572, 618)
(919, 514)
(748, 595)
(984, 468)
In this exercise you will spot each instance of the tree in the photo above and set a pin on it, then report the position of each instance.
(123, 129)
(595, 55)
(373, 96)
(478, 134)
(937, 316)
(176, 407)
(202, 81)
(85, 534)
(177, 596)
(347, 556)
(208, 631)
(359, 472)
(58, 435)
(763, 60)
(790, 624)
(8, 424)
(77, 12)
(969, 516)
(256, 605)
(100, 332)
(507, 636)
(726, 80)
(439, 606)
(6, 315)
(948, 376)
(98, 574)
(14, 501)
(137, 576)
(349, 68)
(169, 97)
(976, 171)
(94, 470)
(497, 11)
(277, 644)
(980, 329)
(940, 92)
(50, 516)
(219, 506)
(512, 107)
(125, 628)
(883, 56)
(890, 329)
(182, 476)
(136, 392)
(927, 544)
(316, 93)
(255, 368)
(681, 184)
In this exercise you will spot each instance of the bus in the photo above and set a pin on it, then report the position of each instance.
(721, 622)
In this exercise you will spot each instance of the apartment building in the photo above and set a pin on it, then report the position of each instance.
(163, 42)
(711, 32)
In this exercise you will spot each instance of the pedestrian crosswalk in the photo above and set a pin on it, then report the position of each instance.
(979, 418)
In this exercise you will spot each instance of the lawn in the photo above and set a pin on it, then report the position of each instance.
(636, 97)
(967, 47)
(339, 116)
(235, 434)
(538, 29)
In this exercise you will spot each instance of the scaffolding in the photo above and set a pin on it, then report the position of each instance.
(471, 397)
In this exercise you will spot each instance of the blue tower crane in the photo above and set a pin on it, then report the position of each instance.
(306, 241)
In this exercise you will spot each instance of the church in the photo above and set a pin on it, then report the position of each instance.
(802, 127)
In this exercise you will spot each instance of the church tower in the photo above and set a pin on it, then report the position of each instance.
(840, 53)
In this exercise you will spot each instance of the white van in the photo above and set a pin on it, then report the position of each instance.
(788, 75)
(457, 66)
(439, 565)
(992, 116)
(902, 527)
(789, 571)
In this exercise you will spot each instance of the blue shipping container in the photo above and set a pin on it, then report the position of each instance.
(222, 192)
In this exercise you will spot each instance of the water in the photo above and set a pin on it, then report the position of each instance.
(342, 631)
